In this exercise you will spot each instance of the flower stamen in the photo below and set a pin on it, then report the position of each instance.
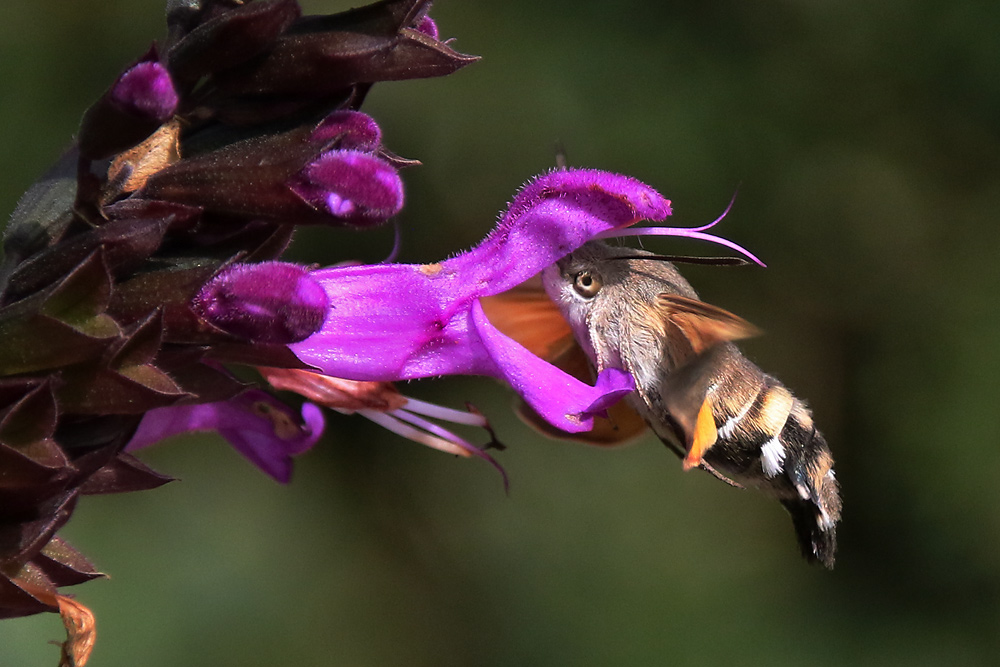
(382, 403)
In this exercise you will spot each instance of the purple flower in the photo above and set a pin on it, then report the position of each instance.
(398, 322)
(260, 427)
(124, 311)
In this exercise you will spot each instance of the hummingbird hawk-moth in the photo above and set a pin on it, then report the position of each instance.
(718, 411)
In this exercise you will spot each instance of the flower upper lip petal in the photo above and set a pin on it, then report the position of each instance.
(551, 217)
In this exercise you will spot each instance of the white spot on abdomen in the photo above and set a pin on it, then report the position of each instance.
(731, 423)
(772, 456)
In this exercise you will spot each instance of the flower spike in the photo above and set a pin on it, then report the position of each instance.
(142, 270)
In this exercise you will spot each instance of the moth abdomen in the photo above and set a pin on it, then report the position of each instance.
(817, 544)
(767, 439)
(816, 506)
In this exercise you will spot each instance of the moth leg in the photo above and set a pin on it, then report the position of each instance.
(704, 465)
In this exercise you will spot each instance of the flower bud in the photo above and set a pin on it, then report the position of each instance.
(146, 90)
(350, 130)
(427, 26)
(272, 302)
(354, 186)
(214, 37)
(320, 56)
(325, 174)
(137, 104)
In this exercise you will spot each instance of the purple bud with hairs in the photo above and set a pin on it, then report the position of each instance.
(272, 302)
(142, 98)
(427, 26)
(146, 90)
(350, 130)
(354, 186)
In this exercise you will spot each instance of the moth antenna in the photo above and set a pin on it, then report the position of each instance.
(688, 259)
(686, 232)
(562, 164)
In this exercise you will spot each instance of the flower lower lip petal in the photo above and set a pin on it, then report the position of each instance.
(558, 397)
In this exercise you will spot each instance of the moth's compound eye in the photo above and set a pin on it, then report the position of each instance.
(586, 284)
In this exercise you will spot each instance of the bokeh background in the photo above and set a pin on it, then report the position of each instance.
(864, 140)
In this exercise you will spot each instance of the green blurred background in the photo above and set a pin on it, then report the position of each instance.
(864, 139)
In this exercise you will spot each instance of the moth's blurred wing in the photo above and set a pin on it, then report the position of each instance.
(527, 315)
(702, 324)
